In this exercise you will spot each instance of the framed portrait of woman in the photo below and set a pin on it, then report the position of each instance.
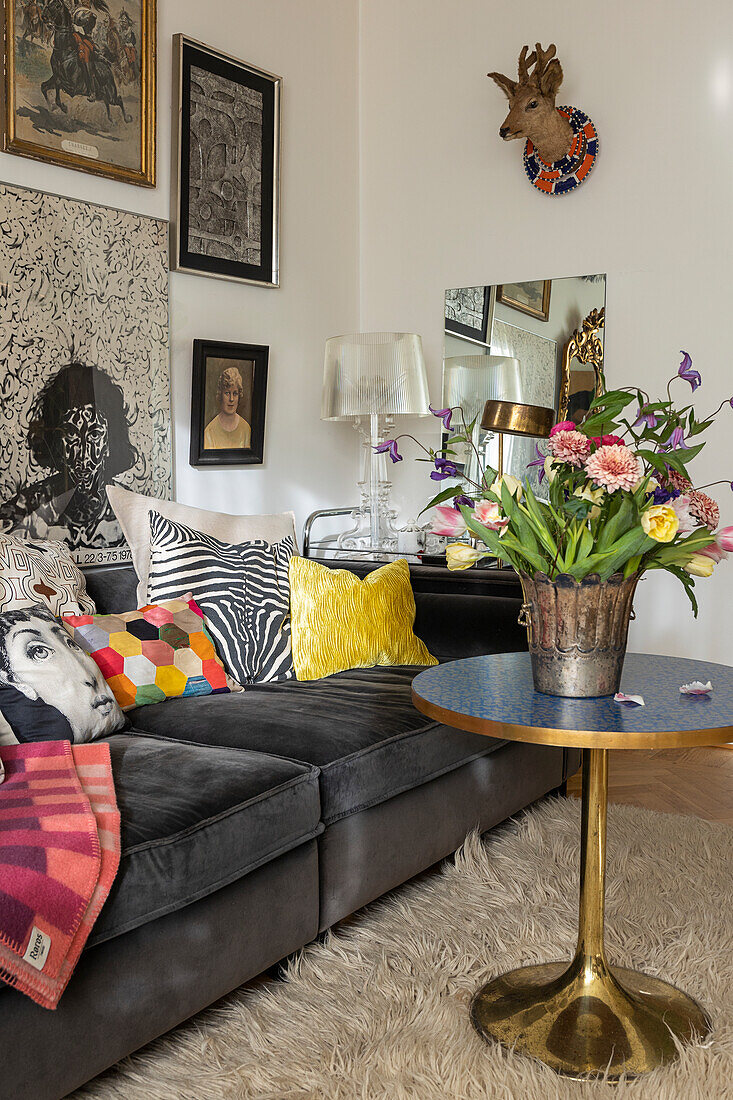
(228, 403)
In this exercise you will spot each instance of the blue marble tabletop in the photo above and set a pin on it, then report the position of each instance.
(498, 688)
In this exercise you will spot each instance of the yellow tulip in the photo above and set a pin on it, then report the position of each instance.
(459, 555)
(512, 483)
(660, 522)
(700, 566)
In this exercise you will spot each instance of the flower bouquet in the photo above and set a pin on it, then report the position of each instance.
(619, 502)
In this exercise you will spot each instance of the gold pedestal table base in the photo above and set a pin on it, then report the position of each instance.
(589, 1017)
(585, 1018)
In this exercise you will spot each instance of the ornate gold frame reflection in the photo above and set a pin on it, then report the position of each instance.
(589, 1018)
(586, 345)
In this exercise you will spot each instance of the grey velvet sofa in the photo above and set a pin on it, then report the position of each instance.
(251, 822)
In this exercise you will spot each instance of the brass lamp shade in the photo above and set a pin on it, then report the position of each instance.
(511, 418)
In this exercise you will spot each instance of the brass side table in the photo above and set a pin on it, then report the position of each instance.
(587, 1017)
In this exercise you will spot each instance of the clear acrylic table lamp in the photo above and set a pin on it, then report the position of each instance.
(371, 378)
(469, 381)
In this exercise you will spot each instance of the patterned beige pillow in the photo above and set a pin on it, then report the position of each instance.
(34, 571)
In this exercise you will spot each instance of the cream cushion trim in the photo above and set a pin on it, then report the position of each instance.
(133, 512)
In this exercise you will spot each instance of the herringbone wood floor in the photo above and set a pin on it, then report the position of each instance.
(697, 782)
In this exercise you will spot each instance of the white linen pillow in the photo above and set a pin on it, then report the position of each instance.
(41, 571)
(133, 512)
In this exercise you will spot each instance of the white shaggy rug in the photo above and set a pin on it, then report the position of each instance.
(380, 1010)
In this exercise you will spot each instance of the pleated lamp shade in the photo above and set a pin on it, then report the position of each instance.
(472, 380)
(374, 373)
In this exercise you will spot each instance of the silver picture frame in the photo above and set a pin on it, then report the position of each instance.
(222, 262)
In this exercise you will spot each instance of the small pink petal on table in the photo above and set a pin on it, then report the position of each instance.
(696, 688)
(629, 700)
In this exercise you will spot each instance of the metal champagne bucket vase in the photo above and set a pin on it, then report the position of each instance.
(578, 632)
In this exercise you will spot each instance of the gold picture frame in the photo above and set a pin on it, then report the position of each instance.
(136, 65)
(585, 345)
(532, 298)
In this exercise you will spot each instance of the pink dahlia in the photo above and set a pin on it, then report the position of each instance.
(614, 467)
(563, 426)
(678, 481)
(572, 447)
(704, 509)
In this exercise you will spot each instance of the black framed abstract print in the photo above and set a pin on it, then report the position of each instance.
(228, 402)
(226, 188)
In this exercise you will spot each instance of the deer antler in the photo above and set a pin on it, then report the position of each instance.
(524, 64)
(547, 74)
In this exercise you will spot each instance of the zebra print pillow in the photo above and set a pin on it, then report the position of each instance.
(243, 591)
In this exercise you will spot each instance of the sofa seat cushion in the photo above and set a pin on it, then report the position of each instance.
(195, 819)
(359, 727)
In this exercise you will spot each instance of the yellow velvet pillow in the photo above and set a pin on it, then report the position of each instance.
(340, 621)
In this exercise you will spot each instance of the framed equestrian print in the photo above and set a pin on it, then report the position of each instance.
(226, 196)
(80, 85)
(228, 403)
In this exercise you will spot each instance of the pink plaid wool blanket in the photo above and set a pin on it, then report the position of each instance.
(59, 854)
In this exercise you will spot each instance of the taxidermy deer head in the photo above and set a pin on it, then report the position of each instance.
(532, 111)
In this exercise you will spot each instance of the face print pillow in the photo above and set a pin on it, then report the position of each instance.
(50, 690)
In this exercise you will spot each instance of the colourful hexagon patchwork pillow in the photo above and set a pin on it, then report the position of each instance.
(161, 651)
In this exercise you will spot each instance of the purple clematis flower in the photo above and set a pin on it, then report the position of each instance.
(391, 446)
(648, 419)
(539, 461)
(676, 441)
(443, 469)
(686, 372)
(444, 415)
(467, 502)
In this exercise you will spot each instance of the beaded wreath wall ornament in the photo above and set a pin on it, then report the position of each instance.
(566, 174)
(561, 142)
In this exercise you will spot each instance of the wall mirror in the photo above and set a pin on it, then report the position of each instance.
(536, 343)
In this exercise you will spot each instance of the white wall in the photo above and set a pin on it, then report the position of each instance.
(444, 203)
(396, 186)
(313, 46)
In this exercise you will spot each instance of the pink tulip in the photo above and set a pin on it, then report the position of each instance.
(490, 514)
(712, 550)
(725, 539)
(448, 521)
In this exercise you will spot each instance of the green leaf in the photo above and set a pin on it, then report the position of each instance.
(679, 459)
(534, 510)
(490, 539)
(600, 423)
(615, 557)
(616, 525)
(527, 539)
(444, 494)
(586, 544)
(523, 554)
